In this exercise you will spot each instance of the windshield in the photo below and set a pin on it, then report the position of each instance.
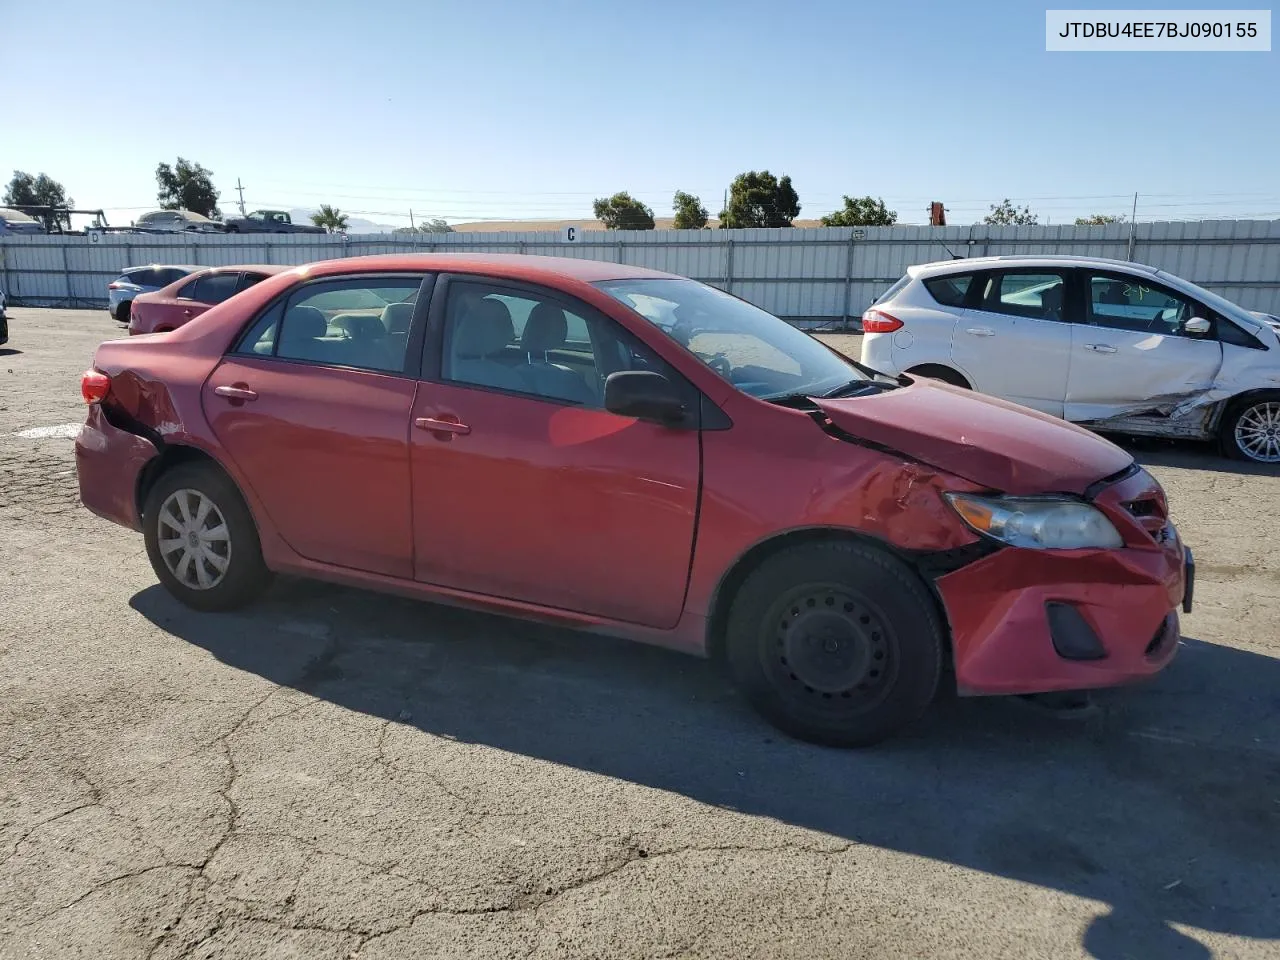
(755, 351)
(1224, 306)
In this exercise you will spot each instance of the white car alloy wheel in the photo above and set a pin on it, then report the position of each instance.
(1258, 432)
(194, 539)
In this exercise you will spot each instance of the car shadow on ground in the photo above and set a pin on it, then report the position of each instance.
(1166, 807)
(9, 351)
(1191, 455)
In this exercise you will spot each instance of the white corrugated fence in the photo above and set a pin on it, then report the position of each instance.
(800, 274)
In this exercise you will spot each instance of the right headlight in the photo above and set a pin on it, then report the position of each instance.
(1043, 523)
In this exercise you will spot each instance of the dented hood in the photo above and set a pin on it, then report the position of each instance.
(989, 441)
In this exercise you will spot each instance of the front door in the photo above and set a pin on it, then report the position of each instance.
(1016, 341)
(313, 407)
(524, 487)
(1132, 355)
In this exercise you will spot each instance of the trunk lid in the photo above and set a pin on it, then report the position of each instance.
(984, 439)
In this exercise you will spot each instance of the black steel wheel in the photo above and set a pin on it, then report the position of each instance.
(838, 643)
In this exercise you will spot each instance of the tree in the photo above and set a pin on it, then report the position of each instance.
(426, 226)
(759, 199)
(188, 186)
(690, 213)
(26, 192)
(623, 212)
(331, 218)
(861, 212)
(1098, 220)
(1006, 213)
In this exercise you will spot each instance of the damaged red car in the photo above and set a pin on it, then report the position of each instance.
(639, 454)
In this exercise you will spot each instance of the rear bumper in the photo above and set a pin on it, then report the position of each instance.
(108, 463)
(1034, 621)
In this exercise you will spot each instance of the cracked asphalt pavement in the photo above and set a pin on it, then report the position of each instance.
(335, 774)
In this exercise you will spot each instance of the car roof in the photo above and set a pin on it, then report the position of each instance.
(518, 266)
(267, 268)
(964, 265)
(192, 267)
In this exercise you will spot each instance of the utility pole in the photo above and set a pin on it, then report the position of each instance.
(411, 226)
(241, 190)
(1133, 224)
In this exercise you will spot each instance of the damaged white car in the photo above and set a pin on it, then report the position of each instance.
(1112, 345)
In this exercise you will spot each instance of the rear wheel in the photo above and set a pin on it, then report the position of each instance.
(1251, 429)
(836, 643)
(201, 539)
(122, 311)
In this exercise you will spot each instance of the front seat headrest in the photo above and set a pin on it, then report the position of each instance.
(546, 329)
(397, 317)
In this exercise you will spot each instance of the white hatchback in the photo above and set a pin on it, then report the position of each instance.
(1112, 345)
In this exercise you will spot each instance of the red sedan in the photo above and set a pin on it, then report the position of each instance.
(639, 454)
(185, 299)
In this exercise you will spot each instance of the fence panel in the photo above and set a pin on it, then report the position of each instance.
(805, 275)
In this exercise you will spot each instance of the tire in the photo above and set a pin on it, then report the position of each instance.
(122, 311)
(1251, 429)
(880, 659)
(245, 575)
(939, 372)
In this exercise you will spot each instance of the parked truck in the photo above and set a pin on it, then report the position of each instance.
(269, 221)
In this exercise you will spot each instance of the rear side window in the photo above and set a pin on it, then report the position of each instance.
(249, 279)
(893, 290)
(1036, 296)
(188, 291)
(168, 275)
(216, 287)
(143, 278)
(949, 290)
(347, 323)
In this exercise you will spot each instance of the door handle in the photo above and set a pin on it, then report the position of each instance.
(980, 331)
(446, 427)
(1100, 347)
(236, 392)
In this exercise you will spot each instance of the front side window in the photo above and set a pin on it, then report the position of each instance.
(338, 323)
(1035, 295)
(522, 342)
(216, 287)
(755, 351)
(1131, 303)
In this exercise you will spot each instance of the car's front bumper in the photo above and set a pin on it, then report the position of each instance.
(109, 461)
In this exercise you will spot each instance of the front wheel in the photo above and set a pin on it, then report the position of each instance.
(201, 539)
(1251, 429)
(836, 643)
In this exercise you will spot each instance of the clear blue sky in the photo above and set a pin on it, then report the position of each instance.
(478, 109)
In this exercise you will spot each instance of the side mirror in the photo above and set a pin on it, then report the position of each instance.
(644, 395)
(1196, 325)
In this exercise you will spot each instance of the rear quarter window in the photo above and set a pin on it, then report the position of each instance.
(893, 290)
(949, 290)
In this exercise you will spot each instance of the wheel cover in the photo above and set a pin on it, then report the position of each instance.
(830, 648)
(1258, 432)
(194, 539)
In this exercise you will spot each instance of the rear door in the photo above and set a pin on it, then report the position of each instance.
(317, 420)
(1131, 354)
(1015, 339)
(524, 486)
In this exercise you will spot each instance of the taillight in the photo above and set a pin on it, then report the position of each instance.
(877, 321)
(94, 386)
(114, 286)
